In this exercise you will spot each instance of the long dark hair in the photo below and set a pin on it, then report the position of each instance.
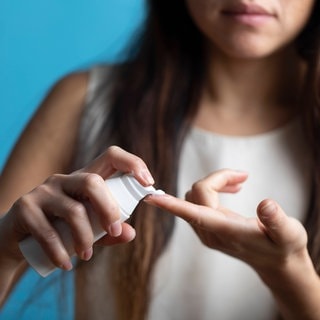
(309, 46)
(154, 100)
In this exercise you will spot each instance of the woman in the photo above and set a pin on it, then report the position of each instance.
(212, 84)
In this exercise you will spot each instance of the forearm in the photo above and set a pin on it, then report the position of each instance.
(10, 272)
(296, 288)
(12, 263)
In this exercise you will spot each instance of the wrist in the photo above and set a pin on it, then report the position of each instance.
(287, 270)
(295, 285)
(11, 257)
(10, 272)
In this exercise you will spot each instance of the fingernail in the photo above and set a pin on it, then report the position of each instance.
(268, 209)
(86, 254)
(156, 195)
(115, 229)
(67, 266)
(147, 176)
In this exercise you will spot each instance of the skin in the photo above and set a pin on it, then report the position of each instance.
(249, 39)
(278, 252)
(235, 61)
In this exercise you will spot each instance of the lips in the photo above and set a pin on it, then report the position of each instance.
(252, 15)
(246, 9)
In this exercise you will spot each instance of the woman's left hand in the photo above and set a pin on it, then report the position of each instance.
(265, 242)
(274, 244)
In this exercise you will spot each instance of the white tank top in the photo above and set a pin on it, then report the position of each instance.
(194, 282)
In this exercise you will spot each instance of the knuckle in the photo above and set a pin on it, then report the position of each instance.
(44, 190)
(53, 179)
(198, 187)
(23, 208)
(137, 162)
(23, 203)
(112, 149)
(48, 236)
(76, 210)
(92, 181)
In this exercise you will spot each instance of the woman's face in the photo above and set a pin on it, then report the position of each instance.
(250, 28)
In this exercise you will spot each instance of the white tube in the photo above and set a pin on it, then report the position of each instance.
(126, 190)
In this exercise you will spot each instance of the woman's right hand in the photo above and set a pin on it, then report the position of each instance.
(63, 196)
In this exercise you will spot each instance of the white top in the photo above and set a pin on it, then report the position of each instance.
(195, 282)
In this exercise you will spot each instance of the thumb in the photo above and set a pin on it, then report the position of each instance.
(116, 159)
(273, 220)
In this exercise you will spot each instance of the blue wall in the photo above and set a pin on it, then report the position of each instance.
(42, 40)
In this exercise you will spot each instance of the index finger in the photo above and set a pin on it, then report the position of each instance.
(198, 215)
(116, 159)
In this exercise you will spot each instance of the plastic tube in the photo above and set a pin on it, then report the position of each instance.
(126, 190)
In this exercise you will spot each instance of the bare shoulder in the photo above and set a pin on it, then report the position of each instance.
(71, 90)
(47, 144)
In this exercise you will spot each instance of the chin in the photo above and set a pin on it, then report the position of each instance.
(248, 50)
(248, 54)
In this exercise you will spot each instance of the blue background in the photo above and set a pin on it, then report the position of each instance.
(42, 40)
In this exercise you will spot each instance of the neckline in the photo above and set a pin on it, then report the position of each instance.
(274, 133)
